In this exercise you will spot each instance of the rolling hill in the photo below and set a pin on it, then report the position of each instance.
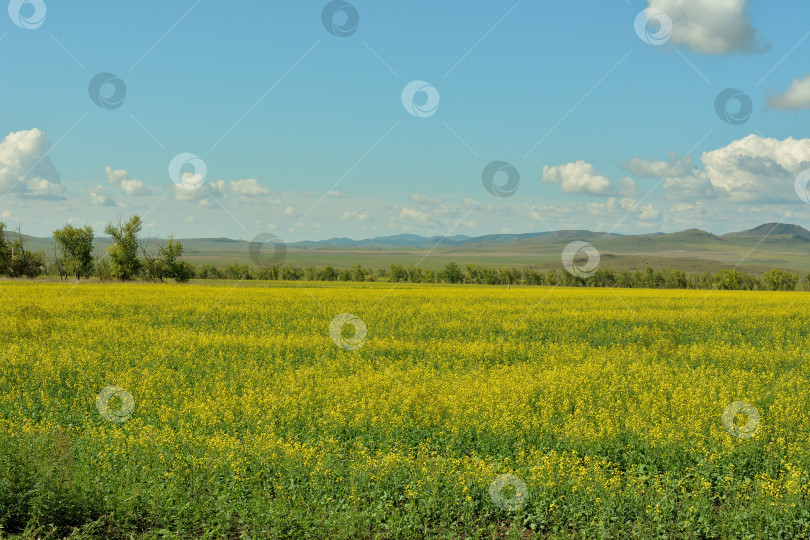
(770, 245)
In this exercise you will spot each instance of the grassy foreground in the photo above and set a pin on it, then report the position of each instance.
(166, 411)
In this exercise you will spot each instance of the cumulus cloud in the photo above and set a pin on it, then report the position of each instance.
(25, 168)
(713, 27)
(354, 215)
(99, 198)
(612, 206)
(578, 177)
(649, 213)
(690, 187)
(582, 178)
(627, 187)
(248, 186)
(127, 184)
(410, 214)
(753, 168)
(659, 168)
(424, 199)
(796, 97)
(757, 168)
(684, 212)
(247, 190)
(206, 190)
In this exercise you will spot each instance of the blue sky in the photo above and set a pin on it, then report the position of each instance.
(304, 134)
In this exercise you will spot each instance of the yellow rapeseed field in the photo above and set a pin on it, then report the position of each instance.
(266, 410)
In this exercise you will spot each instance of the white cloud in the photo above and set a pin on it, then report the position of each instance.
(578, 177)
(691, 214)
(289, 211)
(6, 214)
(797, 96)
(627, 187)
(134, 187)
(685, 210)
(99, 198)
(205, 191)
(25, 168)
(657, 168)
(248, 186)
(411, 214)
(753, 168)
(424, 199)
(711, 27)
(127, 184)
(681, 178)
(649, 213)
(757, 168)
(183, 194)
(115, 176)
(354, 215)
(690, 187)
(611, 206)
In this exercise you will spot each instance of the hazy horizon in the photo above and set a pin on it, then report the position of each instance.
(145, 234)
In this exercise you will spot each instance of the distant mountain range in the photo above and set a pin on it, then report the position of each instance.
(777, 245)
(774, 232)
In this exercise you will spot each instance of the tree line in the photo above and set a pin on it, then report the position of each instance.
(129, 257)
(668, 278)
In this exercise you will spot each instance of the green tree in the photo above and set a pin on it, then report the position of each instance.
(397, 273)
(209, 271)
(475, 273)
(76, 248)
(123, 251)
(5, 251)
(237, 271)
(625, 279)
(167, 263)
(328, 273)
(730, 280)
(24, 263)
(452, 273)
(360, 273)
(510, 275)
(674, 279)
(653, 279)
(103, 270)
(602, 277)
(415, 274)
(532, 277)
(780, 280)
